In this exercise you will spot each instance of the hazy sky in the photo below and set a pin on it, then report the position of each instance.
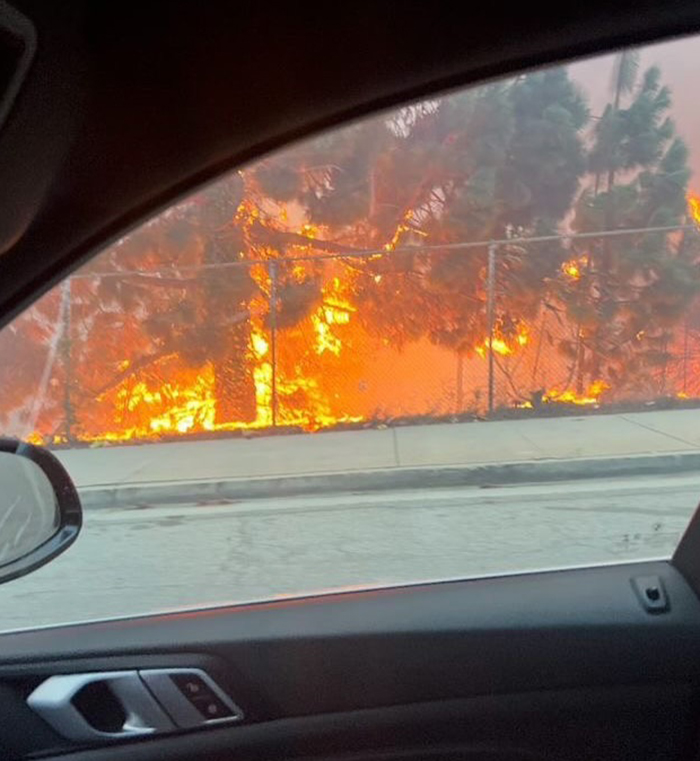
(679, 61)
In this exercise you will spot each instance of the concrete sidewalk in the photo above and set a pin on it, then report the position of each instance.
(482, 453)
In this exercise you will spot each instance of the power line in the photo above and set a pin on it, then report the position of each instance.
(363, 254)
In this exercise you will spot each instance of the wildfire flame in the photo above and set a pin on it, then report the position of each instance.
(188, 407)
(573, 267)
(502, 345)
(590, 397)
(334, 311)
(694, 207)
(187, 402)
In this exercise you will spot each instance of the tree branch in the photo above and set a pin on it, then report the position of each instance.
(136, 366)
(287, 236)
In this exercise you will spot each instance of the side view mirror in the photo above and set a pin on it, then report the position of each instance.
(40, 513)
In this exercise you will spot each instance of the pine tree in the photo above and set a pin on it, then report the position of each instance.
(466, 167)
(633, 289)
(535, 175)
(164, 297)
(226, 293)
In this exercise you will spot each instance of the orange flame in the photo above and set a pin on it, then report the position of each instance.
(187, 402)
(334, 311)
(591, 396)
(504, 345)
(694, 207)
(573, 267)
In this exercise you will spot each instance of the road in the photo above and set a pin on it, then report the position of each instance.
(141, 560)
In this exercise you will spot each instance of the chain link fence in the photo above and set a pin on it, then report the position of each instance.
(514, 327)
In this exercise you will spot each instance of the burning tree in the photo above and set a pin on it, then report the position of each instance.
(468, 167)
(34, 379)
(156, 292)
(625, 294)
(198, 281)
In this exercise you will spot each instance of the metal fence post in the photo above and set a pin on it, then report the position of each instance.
(491, 319)
(273, 340)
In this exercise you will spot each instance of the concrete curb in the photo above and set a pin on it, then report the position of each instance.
(488, 474)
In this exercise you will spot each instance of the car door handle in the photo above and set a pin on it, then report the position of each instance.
(111, 705)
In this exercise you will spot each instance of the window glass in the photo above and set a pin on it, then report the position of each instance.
(449, 341)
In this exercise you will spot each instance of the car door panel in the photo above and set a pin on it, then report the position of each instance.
(624, 723)
(552, 663)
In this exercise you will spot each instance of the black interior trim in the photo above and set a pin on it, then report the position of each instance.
(17, 49)
(571, 647)
(621, 723)
(686, 557)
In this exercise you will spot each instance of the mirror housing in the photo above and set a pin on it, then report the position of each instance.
(40, 512)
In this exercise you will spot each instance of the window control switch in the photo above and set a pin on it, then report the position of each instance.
(651, 593)
(212, 708)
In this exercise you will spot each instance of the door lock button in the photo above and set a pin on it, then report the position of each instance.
(191, 686)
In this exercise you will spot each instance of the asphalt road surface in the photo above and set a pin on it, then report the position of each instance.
(142, 560)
